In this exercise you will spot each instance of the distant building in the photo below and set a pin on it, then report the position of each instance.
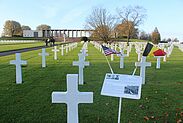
(32, 33)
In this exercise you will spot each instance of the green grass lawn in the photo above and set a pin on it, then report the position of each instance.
(13, 46)
(161, 100)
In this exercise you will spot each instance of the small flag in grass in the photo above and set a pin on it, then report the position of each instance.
(109, 51)
(159, 52)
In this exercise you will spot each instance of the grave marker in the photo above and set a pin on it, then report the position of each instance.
(158, 61)
(43, 54)
(62, 49)
(72, 97)
(55, 50)
(122, 55)
(81, 64)
(18, 62)
(143, 64)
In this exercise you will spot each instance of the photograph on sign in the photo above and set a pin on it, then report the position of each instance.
(121, 85)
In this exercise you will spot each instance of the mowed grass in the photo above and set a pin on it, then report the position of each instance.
(14, 46)
(161, 100)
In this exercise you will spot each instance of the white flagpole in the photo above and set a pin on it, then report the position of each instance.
(120, 100)
(109, 64)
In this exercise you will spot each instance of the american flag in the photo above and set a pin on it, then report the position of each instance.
(109, 51)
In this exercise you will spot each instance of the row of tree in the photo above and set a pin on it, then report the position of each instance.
(14, 29)
(123, 25)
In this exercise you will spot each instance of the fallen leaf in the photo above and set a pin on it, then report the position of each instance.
(179, 121)
(152, 117)
(146, 118)
(181, 114)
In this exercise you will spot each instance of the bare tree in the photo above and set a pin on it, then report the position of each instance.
(101, 22)
(128, 15)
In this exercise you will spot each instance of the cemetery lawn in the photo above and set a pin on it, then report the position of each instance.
(14, 46)
(161, 100)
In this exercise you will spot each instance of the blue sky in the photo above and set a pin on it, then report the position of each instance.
(166, 15)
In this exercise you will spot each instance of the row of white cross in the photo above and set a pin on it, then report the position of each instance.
(72, 97)
(67, 47)
(139, 50)
(18, 41)
(18, 62)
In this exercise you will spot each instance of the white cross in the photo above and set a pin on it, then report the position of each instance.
(62, 49)
(83, 51)
(64, 37)
(81, 64)
(55, 52)
(128, 50)
(66, 48)
(122, 55)
(164, 57)
(18, 62)
(43, 54)
(72, 97)
(143, 64)
(158, 61)
(112, 55)
(139, 52)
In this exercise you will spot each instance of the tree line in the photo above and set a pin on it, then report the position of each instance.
(15, 29)
(122, 25)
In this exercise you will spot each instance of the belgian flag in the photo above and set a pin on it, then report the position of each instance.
(147, 50)
(151, 50)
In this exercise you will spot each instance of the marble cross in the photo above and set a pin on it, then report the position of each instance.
(143, 64)
(139, 52)
(72, 97)
(66, 48)
(55, 50)
(43, 54)
(18, 62)
(62, 49)
(158, 61)
(83, 51)
(112, 55)
(122, 55)
(81, 64)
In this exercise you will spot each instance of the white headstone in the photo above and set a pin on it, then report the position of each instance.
(43, 54)
(72, 97)
(62, 49)
(66, 48)
(122, 55)
(128, 51)
(83, 51)
(158, 61)
(164, 57)
(143, 64)
(64, 37)
(112, 55)
(55, 50)
(81, 64)
(18, 62)
(139, 52)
